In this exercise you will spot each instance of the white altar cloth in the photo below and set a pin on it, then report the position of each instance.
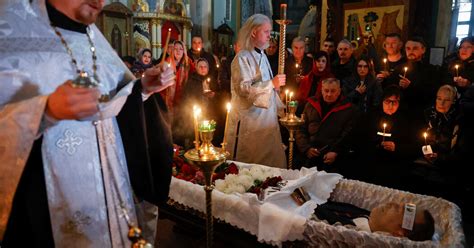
(276, 219)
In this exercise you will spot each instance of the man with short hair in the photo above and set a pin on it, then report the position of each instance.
(297, 65)
(344, 65)
(387, 218)
(68, 164)
(328, 121)
(392, 45)
(329, 46)
(418, 80)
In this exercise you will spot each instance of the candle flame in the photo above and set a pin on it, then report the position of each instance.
(196, 110)
(297, 65)
(228, 107)
(384, 125)
(457, 66)
(217, 65)
(425, 134)
(209, 79)
(291, 94)
(385, 60)
(406, 69)
(286, 92)
(169, 29)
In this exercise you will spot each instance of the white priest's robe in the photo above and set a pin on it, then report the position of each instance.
(81, 159)
(253, 133)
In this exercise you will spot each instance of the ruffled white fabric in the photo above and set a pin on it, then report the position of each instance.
(276, 219)
(447, 216)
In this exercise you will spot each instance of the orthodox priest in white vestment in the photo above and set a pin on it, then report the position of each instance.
(66, 183)
(253, 133)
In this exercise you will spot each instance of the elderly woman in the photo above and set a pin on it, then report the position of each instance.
(253, 134)
(442, 120)
(439, 173)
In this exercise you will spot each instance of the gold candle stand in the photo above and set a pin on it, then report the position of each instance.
(207, 158)
(292, 123)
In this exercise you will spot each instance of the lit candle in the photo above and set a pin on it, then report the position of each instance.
(291, 95)
(226, 121)
(405, 69)
(385, 64)
(166, 45)
(425, 134)
(297, 65)
(286, 99)
(457, 70)
(283, 7)
(217, 65)
(384, 126)
(196, 112)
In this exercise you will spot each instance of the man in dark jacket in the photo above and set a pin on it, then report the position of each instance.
(328, 121)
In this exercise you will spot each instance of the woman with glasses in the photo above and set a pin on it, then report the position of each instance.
(458, 69)
(361, 88)
(393, 143)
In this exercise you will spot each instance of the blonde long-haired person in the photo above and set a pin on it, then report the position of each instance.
(183, 67)
(253, 134)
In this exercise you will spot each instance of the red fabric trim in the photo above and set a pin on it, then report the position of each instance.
(337, 108)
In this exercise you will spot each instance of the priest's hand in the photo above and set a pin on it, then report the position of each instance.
(69, 103)
(279, 80)
(157, 78)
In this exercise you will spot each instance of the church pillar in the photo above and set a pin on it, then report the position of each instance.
(187, 35)
(153, 38)
(157, 36)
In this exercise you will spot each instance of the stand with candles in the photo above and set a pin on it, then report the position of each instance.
(207, 158)
(291, 122)
(283, 22)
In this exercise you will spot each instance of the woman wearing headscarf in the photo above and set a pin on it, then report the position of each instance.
(311, 84)
(143, 62)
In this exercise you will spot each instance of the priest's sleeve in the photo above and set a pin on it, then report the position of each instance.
(146, 135)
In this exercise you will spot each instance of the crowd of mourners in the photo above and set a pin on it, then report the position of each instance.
(391, 119)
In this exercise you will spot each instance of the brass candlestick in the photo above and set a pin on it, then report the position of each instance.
(292, 123)
(281, 50)
(207, 158)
